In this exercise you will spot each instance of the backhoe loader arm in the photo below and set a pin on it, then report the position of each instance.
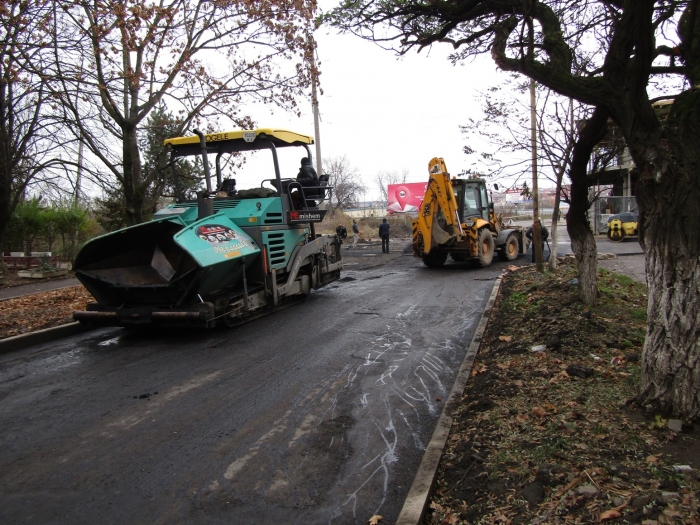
(439, 197)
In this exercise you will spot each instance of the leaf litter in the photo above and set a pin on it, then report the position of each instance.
(41, 310)
(554, 436)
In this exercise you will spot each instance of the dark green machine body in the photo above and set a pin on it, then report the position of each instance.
(209, 261)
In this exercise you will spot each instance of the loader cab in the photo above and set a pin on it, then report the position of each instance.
(472, 198)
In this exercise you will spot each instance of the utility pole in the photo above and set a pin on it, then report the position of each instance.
(536, 230)
(314, 104)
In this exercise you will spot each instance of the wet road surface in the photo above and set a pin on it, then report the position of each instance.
(316, 414)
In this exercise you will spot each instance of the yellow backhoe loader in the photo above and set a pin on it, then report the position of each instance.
(457, 219)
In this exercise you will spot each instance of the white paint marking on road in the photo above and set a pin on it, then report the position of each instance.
(416, 438)
(109, 342)
(353, 373)
(384, 376)
(370, 462)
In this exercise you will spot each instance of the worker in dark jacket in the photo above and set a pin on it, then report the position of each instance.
(307, 174)
(544, 234)
(307, 177)
(384, 234)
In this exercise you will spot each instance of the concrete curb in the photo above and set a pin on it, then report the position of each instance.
(41, 336)
(415, 505)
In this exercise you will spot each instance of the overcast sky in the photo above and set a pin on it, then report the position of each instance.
(386, 113)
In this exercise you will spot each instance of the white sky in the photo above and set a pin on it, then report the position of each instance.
(385, 113)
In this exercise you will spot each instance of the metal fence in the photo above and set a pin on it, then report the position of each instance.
(604, 207)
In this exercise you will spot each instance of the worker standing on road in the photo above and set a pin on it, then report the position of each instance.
(384, 234)
(356, 234)
(544, 233)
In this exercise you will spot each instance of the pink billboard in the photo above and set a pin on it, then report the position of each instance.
(405, 197)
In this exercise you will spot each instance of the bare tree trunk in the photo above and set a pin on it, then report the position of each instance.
(133, 192)
(585, 250)
(670, 233)
(582, 240)
(557, 196)
(555, 220)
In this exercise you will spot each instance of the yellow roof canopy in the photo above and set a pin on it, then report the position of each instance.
(239, 140)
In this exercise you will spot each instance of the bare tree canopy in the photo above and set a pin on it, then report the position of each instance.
(30, 145)
(384, 178)
(610, 55)
(111, 63)
(345, 180)
(507, 131)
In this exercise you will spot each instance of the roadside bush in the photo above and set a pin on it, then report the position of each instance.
(35, 225)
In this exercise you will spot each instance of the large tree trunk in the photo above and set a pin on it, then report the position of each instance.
(582, 240)
(669, 199)
(133, 192)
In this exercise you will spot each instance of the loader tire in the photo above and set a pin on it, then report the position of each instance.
(486, 247)
(435, 259)
(510, 249)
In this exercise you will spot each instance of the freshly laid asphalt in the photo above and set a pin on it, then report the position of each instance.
(319, 413)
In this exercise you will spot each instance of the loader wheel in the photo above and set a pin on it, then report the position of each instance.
(435, 259)
(510, 250)
(486, 247)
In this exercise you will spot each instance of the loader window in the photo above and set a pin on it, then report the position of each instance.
(471, 202)
(484, 204)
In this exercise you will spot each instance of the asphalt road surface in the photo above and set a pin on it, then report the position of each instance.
(315, 414)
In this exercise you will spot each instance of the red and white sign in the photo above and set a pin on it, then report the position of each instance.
(514, 195)
(405, 197)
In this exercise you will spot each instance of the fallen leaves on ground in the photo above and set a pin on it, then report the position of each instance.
(548, 437)
(610, 514)
(41, 310)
